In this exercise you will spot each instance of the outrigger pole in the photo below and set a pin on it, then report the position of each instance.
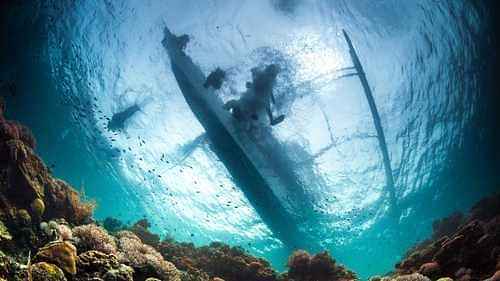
(376, 119)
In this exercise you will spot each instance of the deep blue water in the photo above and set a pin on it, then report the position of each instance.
(431, 66)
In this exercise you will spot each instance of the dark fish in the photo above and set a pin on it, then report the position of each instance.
(117, 122)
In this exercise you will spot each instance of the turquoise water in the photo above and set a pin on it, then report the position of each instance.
(429, 63)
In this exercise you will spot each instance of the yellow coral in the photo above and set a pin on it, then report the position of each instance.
(38, 207)
(47, 272)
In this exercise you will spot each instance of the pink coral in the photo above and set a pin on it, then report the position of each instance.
(93, 237)
(139, 255)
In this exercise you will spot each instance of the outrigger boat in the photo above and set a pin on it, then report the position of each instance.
(256, 164)
(259, 164)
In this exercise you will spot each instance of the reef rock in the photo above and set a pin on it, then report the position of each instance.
(141, 229)
(217, 260)
(112, 224)
(62, 254)
(96, 261)
(447, 226)
(320, 267)
(430, 269)
(123, 273)
(25, 176)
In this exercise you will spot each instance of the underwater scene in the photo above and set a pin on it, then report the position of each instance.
(261, 140)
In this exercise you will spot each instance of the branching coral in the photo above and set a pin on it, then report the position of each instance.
(92, 237)
(144, 258)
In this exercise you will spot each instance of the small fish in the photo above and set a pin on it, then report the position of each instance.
(117, 122)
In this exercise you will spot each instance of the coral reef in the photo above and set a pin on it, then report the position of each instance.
(217, 260)
(221, 261)
(48, 233)
(462, 247)
(45, 216)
